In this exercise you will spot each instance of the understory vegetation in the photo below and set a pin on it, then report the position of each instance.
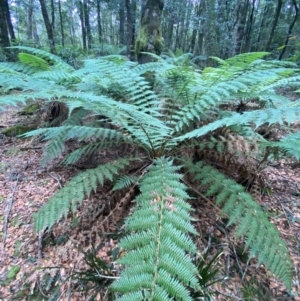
(185, 131)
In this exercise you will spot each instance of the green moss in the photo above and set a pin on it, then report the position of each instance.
(141, 41)
(16, 130)
(11, 275)
(158, 44)
(30, 109)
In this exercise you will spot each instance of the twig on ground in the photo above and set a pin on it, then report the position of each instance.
(237, 261)
(6, 211)
(40, 244)
(247, 265)
(56, 179)
(30, 148)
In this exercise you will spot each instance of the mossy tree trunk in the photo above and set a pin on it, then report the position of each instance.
(149, 37)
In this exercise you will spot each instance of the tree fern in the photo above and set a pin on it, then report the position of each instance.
(158, 267)
(166, 110)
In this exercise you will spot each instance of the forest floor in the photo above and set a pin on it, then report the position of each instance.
(37, 266)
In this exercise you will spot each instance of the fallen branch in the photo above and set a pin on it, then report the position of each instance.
(6, 211)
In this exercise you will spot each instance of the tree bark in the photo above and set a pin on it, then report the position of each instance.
(122, 22)
(131, 16)
(4, 36)
(35, 33)
(149, 38)
(243, 11)
(30, 20)
(61, 25)
(49, 28)
(86, 8)
(83, 29)
(52, 15)
(9, 23)
(275, 22)
(261, 27)
(296, 17)
(250, 22)
(99, 27)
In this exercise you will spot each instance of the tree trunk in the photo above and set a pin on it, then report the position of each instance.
(99, 27)
(61, 25)
(296, 17)
(30, 20)
(122, 22)
(49, 28)
(195, 27)
(71, 28)
(83, 29)
(275, 22)
(86, 8)
(35, 32)
(149, 38)
(52, 15)
(9, 23)
(131, 16)
(261, 27)
(250, 22)
(243, 11)
(4, 37)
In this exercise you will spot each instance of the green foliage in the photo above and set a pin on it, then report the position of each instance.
(162, 108)
(252, 222)
(33, 61)
(289, 145)
(75, 191)
(157, 264)
(207, 272)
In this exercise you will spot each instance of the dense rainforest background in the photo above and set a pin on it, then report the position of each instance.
(202, 28)
(149, 150)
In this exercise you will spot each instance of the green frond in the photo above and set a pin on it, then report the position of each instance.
(75, 191)
(252, 222)
(58, 135)
(289, 145)
(118, 79)
(87, 151)
(156, 257)
(125, 181)
(49, 57)
(258, 117)
(33, 61)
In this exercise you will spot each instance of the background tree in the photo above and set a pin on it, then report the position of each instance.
(6, 29)
(149, 37)
(49, 26)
